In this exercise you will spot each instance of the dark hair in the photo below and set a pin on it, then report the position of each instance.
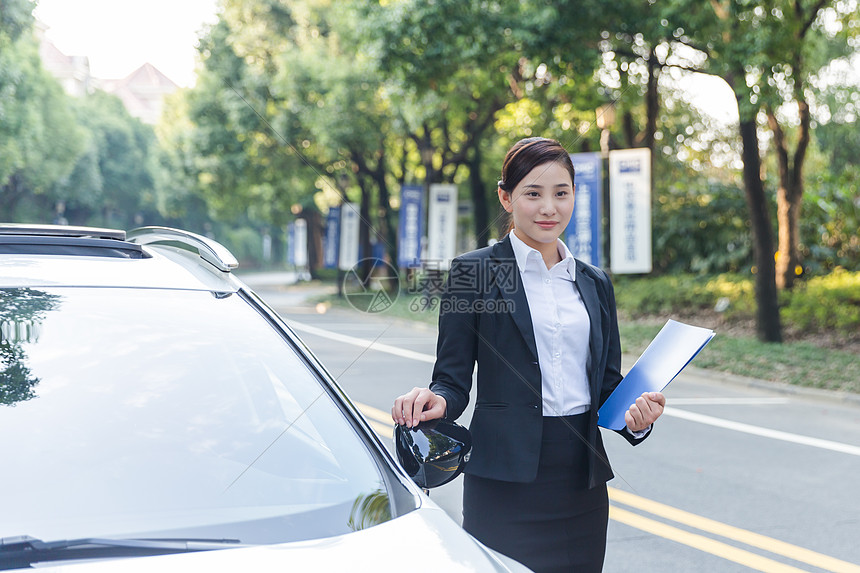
(525, 155)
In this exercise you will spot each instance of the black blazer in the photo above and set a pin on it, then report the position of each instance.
(484, 318)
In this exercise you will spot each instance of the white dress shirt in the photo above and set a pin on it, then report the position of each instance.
(561, 328)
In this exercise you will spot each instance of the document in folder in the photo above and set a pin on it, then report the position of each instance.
(671, 350)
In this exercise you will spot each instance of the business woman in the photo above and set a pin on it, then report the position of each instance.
(542, 328)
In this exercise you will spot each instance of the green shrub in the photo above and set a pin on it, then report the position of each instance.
(831, 302)
(327, 275)
(829, 220)
(737, 290)
(826, 303)
(700, 227)
(684, 293)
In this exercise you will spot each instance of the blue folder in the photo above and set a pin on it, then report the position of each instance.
(668, 354)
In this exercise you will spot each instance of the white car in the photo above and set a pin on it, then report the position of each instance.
(156, 415)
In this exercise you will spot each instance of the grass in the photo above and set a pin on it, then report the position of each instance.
(796, 362)
(799, 363)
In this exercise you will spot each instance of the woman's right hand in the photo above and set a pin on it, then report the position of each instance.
(416, 406)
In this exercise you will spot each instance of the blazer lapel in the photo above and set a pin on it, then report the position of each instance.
(588, 292)
(505, 273)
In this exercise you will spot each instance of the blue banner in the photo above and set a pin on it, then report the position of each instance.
(331, 240)
(583, 231)
(409, 231)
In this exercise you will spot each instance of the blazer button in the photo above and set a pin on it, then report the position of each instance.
(534, 406)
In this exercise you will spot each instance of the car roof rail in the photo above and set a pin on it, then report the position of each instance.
(18, 239)
(209, 250)
(61, 231)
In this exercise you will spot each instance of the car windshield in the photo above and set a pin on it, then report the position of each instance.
(154, 413)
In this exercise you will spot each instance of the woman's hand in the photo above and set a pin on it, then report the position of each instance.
(416, 406)
(645, 411)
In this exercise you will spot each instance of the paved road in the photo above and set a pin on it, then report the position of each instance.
(736, 478)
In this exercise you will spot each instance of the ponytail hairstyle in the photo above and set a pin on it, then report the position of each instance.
(525, 155)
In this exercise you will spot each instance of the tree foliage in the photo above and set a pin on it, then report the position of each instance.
(83, 160)
(303, 104)
(39, 139)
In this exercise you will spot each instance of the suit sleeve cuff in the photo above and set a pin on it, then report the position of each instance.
(638, 435)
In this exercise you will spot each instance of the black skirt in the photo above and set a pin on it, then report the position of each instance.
(554, 523)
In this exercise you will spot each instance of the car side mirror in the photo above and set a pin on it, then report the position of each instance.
(434, 452)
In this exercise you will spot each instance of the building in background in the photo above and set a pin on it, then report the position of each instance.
(72, 72)
(142, 92)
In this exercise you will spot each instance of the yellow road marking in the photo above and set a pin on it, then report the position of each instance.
(701, 542)
(735, 533)
(386, 431)
(380, 421)
(375, 413)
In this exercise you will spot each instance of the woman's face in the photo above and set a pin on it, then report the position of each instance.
(541, 204)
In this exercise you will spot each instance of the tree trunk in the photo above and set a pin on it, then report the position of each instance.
(388, 228)
(11, 193)
(652, 110)
(652, 104)
(479, 198)
(315, 250)
(789, 195)
(788, 218)
(767, 315)
(365, 248)
(629, 130)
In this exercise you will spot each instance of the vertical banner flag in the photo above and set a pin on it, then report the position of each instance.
(409, 231)
(442, 225)
(583, 231)
(291, 240)
(267, 247)
(630, 210)
(300, 244)
(332, 238)
(348, 256)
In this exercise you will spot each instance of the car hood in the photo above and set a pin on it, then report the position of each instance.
(426, 539)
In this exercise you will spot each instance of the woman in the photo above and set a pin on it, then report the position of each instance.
(542, 328)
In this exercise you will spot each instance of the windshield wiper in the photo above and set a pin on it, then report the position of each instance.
(23, 550)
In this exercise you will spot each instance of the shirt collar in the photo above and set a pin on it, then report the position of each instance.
(523, 252)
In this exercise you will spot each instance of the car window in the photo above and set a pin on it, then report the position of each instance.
(162, 413)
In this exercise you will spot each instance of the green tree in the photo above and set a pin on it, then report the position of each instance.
(16, 18)
(176, 196)
(341, 100)
(729, 33)
(39, 139)
(805, 37)
(766, 52)
(245, 140)
(113, 180)
(453, 66)
(830, 226)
